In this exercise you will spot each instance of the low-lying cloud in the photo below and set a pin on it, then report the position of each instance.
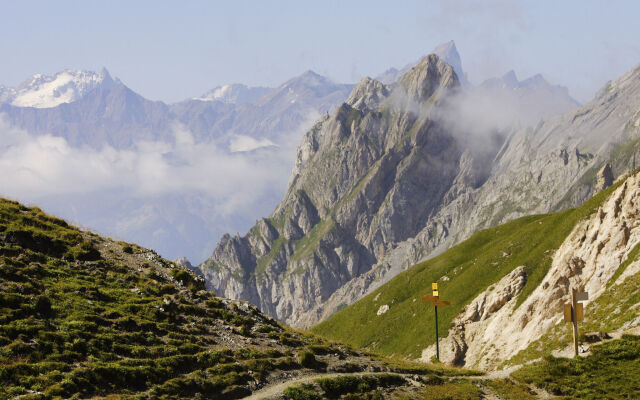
(39, 165)
(177, 197)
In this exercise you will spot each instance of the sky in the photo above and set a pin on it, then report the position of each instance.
(173, 50)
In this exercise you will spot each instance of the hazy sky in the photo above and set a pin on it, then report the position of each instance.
(171, 50)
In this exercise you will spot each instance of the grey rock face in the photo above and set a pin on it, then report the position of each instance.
(537, 170)
(605, 178)
(364, 180)
(392, 182)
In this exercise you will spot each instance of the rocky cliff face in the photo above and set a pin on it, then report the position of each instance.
(389, 180)
(491, 329)
(558, 164)
(366, 178)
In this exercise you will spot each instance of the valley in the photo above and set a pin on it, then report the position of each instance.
(300, 201)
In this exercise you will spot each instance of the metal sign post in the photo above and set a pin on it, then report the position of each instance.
(574, 312)
(435, 298)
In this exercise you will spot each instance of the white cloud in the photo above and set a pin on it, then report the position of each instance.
(36, 166)
(241, 143)
(177, 197)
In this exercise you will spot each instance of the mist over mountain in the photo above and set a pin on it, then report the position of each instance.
(177, 176)
(401, 172)
(171, 176)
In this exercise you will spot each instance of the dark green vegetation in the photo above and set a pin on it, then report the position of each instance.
(510, 389)
(335, 387)
(346, 386)
(611, 372)
(306, 391)
(386, 386)
(83, 316)
(470, 267)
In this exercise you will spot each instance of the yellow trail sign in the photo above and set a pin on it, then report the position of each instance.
(436, 302)
(579, 312)
(567, 313)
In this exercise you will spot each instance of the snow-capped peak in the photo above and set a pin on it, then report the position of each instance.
(43, 91)
(235, 93)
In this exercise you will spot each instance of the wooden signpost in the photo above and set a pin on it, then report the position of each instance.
(574, 312)
(435, 298)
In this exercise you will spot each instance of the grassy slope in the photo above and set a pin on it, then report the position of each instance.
(472, 265)
(83, 316)
(611, 372)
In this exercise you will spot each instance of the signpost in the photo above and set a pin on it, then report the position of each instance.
(435, 298)
(574, 312)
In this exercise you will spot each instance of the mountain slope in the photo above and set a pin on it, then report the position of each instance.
(112, 116)
(40, 91)
(506, 285)
(556, 165)
(528, 101)
(359, 185)
(84, 316)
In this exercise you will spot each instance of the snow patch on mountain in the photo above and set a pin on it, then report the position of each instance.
(43, 91)
(240, 143)
(235, 93)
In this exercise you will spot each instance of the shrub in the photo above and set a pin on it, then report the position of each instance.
(302, 392)
(335, 387)
(307, 359)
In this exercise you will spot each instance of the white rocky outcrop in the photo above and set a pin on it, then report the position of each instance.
(491, 329)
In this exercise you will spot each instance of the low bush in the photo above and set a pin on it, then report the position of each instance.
(301, 392)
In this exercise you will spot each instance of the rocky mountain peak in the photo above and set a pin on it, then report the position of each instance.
(428, 78)
(368, 94)
(44, 91)
(510, 79)
(308, 78)
(449, 54)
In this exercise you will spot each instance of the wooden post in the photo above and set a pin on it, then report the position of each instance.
(437, 344)
(574, 312)
(574, 318)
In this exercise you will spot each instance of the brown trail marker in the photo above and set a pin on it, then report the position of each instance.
(574, 312)
(436, 302)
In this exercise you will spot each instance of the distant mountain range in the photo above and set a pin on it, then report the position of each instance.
(258, 127)
(90, 110)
